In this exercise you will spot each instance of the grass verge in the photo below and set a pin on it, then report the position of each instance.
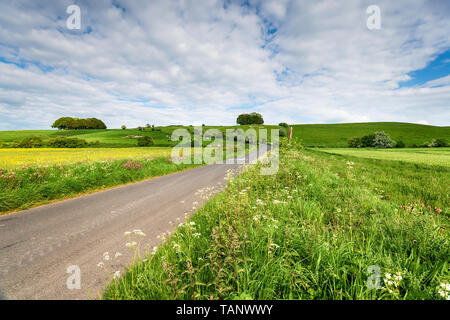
(321, 228)
(30, 186)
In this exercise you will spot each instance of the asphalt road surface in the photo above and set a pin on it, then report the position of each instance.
(37, 246)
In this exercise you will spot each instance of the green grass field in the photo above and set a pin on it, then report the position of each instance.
(312, 231)
(427, 156)
(337, 135)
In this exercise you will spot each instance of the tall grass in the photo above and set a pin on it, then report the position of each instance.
(309, 232)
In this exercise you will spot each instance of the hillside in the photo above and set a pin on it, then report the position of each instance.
(113, 138)
(336, 135)
(323, 135)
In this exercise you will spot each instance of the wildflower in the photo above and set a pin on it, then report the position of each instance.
(100, 264)
(106, 256)
(131, 244)
(127, 233)
(154, 250)
(118, 254)
(116, 274)
(196, 235)
(444, 290)
(259, 202)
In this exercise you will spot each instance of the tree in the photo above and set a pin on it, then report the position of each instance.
(440, 143)
(62, 123)
(354, 142)
(252, 118)
(123, 127)
(368, 141)
(283, 124)
(383, 140)
(145, 141)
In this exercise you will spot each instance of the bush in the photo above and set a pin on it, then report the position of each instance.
(145, 141)
(400, 144)
(123, 127)
(354, 142)
(30, 142)
(382, 140)
(368, 141)
(64, 142)
(283, 124)
(283, 133)
(440, 143)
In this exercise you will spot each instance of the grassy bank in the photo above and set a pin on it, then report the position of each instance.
(30, 186)
(309, 232)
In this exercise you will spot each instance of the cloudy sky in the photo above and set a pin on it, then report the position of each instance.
(194, 62)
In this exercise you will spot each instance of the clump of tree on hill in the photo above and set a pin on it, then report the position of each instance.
(250, 118)
(68, 123)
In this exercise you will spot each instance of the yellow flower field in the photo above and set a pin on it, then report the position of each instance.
(15, 158)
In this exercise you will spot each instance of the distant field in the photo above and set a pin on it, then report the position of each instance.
(117, 138)
(436, 156)
(337, 135)
(14, 158)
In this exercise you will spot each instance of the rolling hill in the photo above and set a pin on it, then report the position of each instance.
(314, 135)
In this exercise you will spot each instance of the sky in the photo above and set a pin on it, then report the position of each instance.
(205, 62)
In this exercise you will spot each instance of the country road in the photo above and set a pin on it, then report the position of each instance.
(38, 245)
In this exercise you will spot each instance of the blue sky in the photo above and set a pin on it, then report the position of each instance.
(178, 62)
(435, 69)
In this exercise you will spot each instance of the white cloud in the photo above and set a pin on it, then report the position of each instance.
(167, 62)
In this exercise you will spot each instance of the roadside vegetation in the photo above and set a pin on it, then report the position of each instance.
(34, 185)
(312, 231)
